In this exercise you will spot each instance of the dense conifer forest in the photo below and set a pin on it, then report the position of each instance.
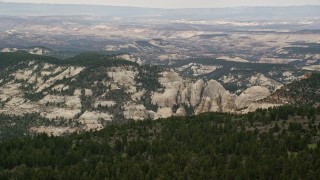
(82, 59)
(278, 143)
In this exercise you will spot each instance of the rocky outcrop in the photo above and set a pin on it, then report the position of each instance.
(91, 97)
(93, 119)
(166, 99)
(196, 92)
(250, 95)
(200, 95)
(164, 113)
(172, 83)
(216, 98)
(137, 112)
(181, 112)
(261, 80)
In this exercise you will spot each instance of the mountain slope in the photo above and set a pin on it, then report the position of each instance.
(92, 89)
(302, 92)
(207, 146)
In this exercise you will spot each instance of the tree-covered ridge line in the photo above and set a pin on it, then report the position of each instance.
(82, 59)
(277, 143)
(303, 92)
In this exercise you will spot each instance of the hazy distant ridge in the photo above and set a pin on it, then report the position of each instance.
(290, 12)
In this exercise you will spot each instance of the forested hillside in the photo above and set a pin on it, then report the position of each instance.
(78, 93)
(281, 143)
(304, 92)
(82, 59)
(89, 90)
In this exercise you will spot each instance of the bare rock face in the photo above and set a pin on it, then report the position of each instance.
(251, 95)
(228, 102)
(66, 73)
(171, 79)
(184, 95)
(173, 83)
(124, 78)
(202, 96)
(196, 92)
(214, 89)
(166, 99)
(55, 112)
(181, 112)
(164, 113)
(206, 105)
(92, 119)
(261, 80)
(72, 102)
(136, 112)
(216, 99)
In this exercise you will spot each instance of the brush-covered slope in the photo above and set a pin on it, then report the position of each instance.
(303, 92)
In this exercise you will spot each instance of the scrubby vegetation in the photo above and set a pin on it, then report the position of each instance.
(279, 143)
(305, 91)
(305, 48)
(228, 66)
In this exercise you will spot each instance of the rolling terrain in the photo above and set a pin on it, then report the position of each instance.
(106, 92)
(156, 41)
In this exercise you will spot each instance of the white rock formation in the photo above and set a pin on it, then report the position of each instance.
(196, 92)
(200, 95)
(251, 95)
(91, 119)
(181, 112)
(216, 98)
(164, 113)
(260, 80)
(53, 113)
(124, 78)
(173, 83)
(136, 112)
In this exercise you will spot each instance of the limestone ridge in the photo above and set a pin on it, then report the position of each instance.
(95, 94)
